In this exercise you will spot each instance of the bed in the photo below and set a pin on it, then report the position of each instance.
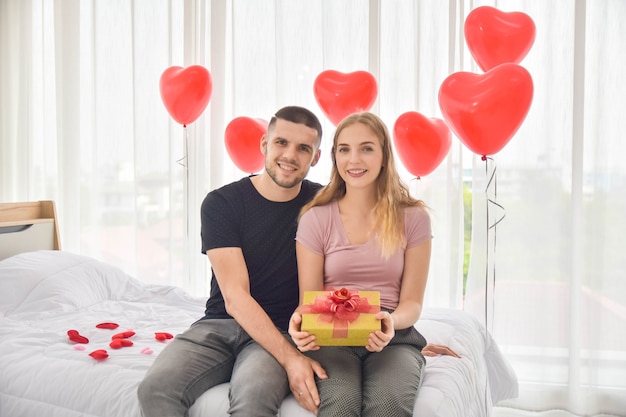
(50, 299)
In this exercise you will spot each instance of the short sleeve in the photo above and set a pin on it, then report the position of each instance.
(217, 222)
(417, 226)
(311, 231)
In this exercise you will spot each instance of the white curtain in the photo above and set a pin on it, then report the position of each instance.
(82, 123)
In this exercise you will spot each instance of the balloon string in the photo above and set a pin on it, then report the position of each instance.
(183, 161)
(418, 181)
(492, 180)
(491, 202)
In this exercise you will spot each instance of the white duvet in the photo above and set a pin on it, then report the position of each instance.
(42, 373)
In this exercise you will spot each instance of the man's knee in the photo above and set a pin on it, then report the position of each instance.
(161, 392)
(147, 391)
(255, 399)
(258, 391)
(144, 392)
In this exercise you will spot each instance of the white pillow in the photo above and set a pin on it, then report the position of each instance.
(45, 281)
(20, 273)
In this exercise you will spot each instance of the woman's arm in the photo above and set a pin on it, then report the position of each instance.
(414, 276)
(413, 287)
(310, 270)
(310, 278)
(416, 265)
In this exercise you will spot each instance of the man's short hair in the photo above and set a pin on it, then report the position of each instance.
(300, 115)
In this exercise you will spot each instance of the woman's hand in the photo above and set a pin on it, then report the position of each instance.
(381, 338)
(303, 340)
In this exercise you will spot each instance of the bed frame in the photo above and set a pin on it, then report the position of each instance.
(28, 226)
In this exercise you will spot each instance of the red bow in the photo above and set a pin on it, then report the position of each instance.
(341, 307)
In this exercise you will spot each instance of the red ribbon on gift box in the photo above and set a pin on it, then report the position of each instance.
(340, 307)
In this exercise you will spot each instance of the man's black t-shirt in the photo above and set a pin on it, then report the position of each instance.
(236, 215)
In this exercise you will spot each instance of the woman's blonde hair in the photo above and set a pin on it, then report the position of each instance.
(392, 195)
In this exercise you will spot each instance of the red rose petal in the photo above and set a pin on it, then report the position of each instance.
(162, 336)
(120, 343)
(75, 337)
(99, 354)
(107, 325)
(123, 335)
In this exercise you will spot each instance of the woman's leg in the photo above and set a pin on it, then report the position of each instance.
(340, 394)
(391, 379)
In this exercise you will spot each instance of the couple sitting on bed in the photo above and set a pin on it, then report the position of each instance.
(362, 231)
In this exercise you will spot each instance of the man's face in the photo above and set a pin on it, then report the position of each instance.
(290, 149)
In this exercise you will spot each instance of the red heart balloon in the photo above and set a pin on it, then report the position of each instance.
(339, 94)
(485, 110)
(185, 92)
(243, 143)
(421, 142)
(495, 37)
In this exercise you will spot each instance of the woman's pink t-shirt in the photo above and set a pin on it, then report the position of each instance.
(360, 267)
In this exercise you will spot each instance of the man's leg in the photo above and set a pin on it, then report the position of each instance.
(193, 362)
(258, 383)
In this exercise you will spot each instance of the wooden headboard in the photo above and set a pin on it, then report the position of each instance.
(26, 227)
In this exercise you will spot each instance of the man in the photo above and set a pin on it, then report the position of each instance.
(248, 233)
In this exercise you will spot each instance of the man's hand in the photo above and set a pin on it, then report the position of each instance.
(435, 350)
(301, 372)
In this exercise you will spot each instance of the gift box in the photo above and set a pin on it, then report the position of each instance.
(341, 317)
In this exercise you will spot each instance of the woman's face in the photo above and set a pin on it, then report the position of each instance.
(359, 156)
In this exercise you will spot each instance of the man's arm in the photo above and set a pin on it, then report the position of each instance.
(232, 276)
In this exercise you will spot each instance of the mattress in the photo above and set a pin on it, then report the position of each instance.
(47, 295)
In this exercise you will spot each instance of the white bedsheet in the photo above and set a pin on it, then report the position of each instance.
(46, 293)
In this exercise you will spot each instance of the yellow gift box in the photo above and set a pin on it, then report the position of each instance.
(342, 317)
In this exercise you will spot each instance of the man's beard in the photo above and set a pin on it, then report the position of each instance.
(290, 183)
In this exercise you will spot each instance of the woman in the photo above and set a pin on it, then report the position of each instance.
(364, 231)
